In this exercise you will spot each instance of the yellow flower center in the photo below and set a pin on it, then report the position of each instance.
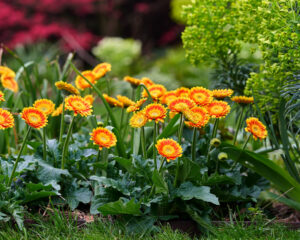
(79, 105)
(140, 120)
(103, 138)
(2, 119)
(216, 109)
(168, 149)
(154, 113)
(255, 129)
(200, 96)
(34, 118)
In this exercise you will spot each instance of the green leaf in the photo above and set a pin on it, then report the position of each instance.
(136, 140)
(188, 191)
(124, 162)
(189, 170)
(159, 183)
(75, 194)
(46, 173)
(120, 207)
(108, 182)
(286, 201)
(35, 191)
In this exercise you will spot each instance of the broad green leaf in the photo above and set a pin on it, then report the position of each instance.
(159, 183)
(218, 179)
(286, 201)
(75, 194)
(189, 170)
(46, 173)
(120, 207)
(109, 182)
(124, 162)
(35, 191)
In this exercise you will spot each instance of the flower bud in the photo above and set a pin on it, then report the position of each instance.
(215, 142)
(222, 156)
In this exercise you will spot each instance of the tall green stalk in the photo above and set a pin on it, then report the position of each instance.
(44, 144)
(18, 158)
(238, 125)
(66, 143)
(62, 121)
(179, 141)
(143, 142)
(215, 129)
(194, 144)
(154, 142)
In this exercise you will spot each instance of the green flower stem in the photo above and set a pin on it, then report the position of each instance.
(238, 125)
(108, 86)
(214, 133)
(143, 142)
(18, 158)
(121, 122)
(105, 161)
(179, 141)
(62, 121)
(66, 143)
(7, 140)
(245, 144)
(44, 144)
(126, 126)
(154, 142)
(244, 147)
(194, 144)
(161, 165)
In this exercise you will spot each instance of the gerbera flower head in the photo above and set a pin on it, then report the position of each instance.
(101, 69)
(256, 128)
(6, 119)
(222, 93)
(45, 105)
(201, 96)
(180, 104)
(134, 82)
(125, 100)
(34, 117)
(103, 138)
(147, 82)
(156, 112)
(112, 101)
(168, 148)
(218, 109)
(168, 97)
(6, 70)
(9, 82)
(199, 117)
(137, 105)
(67, 88)
(2, 96)
(57, 111)
(182, 92)
(138, 120)
(89, 98)
(81, 83)
(242, 99)
(156, 91)
(78, 105)
(172, 114)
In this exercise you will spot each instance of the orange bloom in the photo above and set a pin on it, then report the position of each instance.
(125, 100)
(218, 109)
(89, 98)
(155, 111)
(34, 117)
(83, 84)
(112, 101)
(137, 105)
(201, 117)
(242, 99)
(172, 114)
(168, 97)
(78, 105)
(5, 70)
(45, 105)
(222, 93)
(133, 81)
(57, 111)
(180, 104)
(257, 128)
(6, 119)
(147, 82)
(138, 120)
(9, 82)
(101, 69)
(103, 137)
(201, 96)
(168, 148)
(182, 92)
(66, 87)
(2, 96)
(156, 91)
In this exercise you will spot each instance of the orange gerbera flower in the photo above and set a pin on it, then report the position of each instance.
(168, 97)
(34, 117)
(125, 100)
(137, 105)
(172, 114)
(9, 82)
(147, 82)
(138, 120)
(201, 117)
(182, 92)
(222, 93)
(89, 98)
(5, 70)
(45, 105)
(67, 88)
(2, 96)
(180, 104)
(133, 81)
(101, 69)
(112, 101)
(201, 95)
(156, 91)
(218, 109)
(83, 84)
(155, 111)
(78, 105)
(257, 128)
(6, 119)
(242, 99)
(103, 137)
(57, 111)
(168, 148)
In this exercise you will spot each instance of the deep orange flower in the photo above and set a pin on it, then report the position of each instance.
(9, 82)
(222, 93)
(57, 111)
(182, 92)
(242, 99)
(218, 109)
(155, 111)
(101, 69)
(2, 96)
(156, 91)
(6, 119)
(89, 98)
(201, 117)
(168, 97)
(138, 120)
(180, 104)
(168, 148)
(45, 105)
(78, 105)
(125, 100)
(137, 105)
(147, 82)
(103, 138)
(5, 70)
(112, 101)
(201, 96)
(257, 128)
(67, 88)
(133, 81)
(83, 84)
(34, 117)
(172, 114)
